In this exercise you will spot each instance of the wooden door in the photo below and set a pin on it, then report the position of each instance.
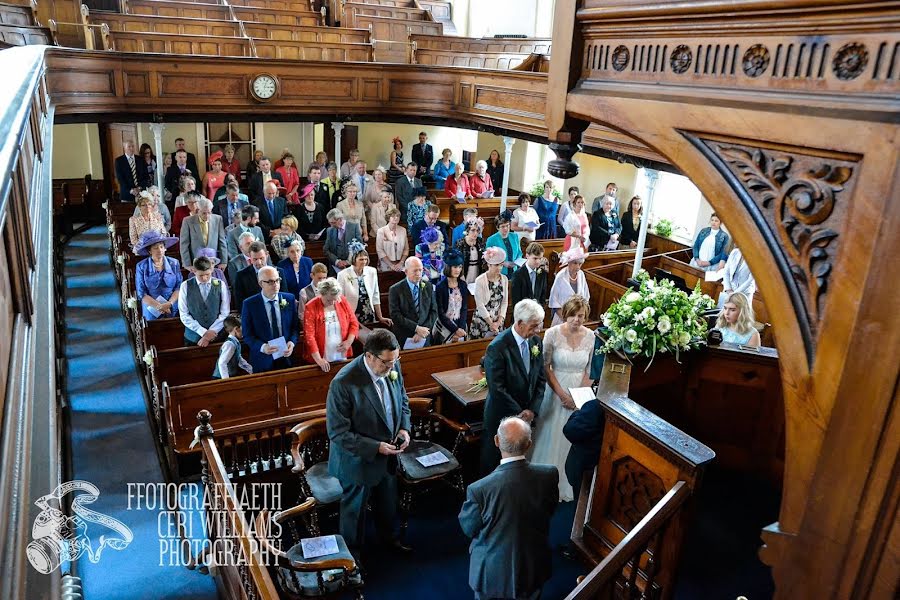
(114, 135)
(349, 141)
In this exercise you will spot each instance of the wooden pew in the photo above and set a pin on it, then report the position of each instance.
(173, 25)
(479, 60)
(168, 43)
(14, 14)
(173, 8)
(276, 16)
(387, 29)
(474, 45)
(24, 35)
(597, 259)
(275, 31)
(300, 6)
(320, 50)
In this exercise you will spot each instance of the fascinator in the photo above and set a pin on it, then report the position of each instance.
(494, 256)
(217, 155)
(575, 253)
(453, 258)
(430, 235)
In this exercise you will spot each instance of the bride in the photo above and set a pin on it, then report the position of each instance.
(568, 349)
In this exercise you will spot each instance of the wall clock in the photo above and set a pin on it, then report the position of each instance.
(263, 87)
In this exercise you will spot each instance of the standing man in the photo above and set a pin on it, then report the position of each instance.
(267, 316)
(246, 283)
(176, 171)
(404, 189)
(507, 514)
(423, 156)
(362, 179)
(203, 230)
(231, 204)
(249, 224)
(320, 192)
(413, 305)
(514, 367)
(531, 282)
(204, 303)
(367, 414)
(337, 240)
(189, 157)
(272, 208)
(131, 173)
(611, 190)
(261, 178)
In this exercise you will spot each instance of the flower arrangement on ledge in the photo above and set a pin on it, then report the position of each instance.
(658, 317)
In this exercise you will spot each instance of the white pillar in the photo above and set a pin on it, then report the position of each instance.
(652, 176)
(338, 127)
(508, 143)
(157, 129)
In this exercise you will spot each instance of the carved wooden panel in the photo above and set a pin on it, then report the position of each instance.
(330, 51)
(19, 35)
(293, 5)
(274, 31)
(86, 82)
(190, 86)
(165, 43)
(166, 8)
(522, 104)
(437, 93)
(16, 15)
(339, 89)
(136, 84)
(474, 45)
(633, 491)
(480, 60)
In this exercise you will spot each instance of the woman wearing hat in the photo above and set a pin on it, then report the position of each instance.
(147, 219)
(215, 177)
(286, 236)
(452, 296)
(311, 215)
(508, 240)
(359, 283)
(491, 293)
(210, 253)
(569, 281)
(290, 177)
(158, 277)
(431, 252)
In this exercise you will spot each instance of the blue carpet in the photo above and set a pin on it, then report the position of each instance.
(111, 438)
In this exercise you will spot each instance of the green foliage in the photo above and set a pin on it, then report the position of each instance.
(538, 190)
(664, 227)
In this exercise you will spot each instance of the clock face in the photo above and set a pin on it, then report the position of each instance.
(264, 87)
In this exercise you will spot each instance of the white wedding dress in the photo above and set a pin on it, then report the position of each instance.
(569, 366)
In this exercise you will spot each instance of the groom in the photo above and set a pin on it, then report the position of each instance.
(366, 411)
(514, 367)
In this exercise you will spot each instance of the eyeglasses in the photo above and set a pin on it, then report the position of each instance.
(387, 363)
(270, 281)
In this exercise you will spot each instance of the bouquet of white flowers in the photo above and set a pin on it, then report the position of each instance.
(657, 318)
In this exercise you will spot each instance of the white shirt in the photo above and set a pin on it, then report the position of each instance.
(225, 355)
(184, 313)
(519, 338)
(510, 459)
(708, 246)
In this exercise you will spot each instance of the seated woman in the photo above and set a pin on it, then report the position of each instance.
(359, 283)
(452, 296)
(605, 228)
(297, 268)
(353, 209)
(471, 247)
(286, 236)
(317, 275)
(736, 321)
(431, 251)
(631, 223)
(215, 177)
(329, 326)
(525, 218)
(148, 219)
(157, 278)
(312, 217)
(290, 176)
(480, 182)
(546, 207)
(457, 186)
(508, 240)
(569, 281)
(391, 243)
(578, 231)
(443, 169)
(491, 291)
(710, 245)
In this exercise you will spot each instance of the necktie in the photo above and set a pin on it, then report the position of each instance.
(526, 359)
(133, 170)
(532, 274)
(341, 235)
(415, 291)
(204, 231)
(273, 314)
(362, 186)
(386, 401)
(204, 290)
(271, 205)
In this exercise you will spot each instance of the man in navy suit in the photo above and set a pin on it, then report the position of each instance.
(190, 159)
(585, 430)
(367, 411)
(272, 208)
(267, 316)
(177, 170)
(131, 173)
(507, 514)
(246, 282)
(423, 155)
(261, 178)
(514, 367)
(231, 204)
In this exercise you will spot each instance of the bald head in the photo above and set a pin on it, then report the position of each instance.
(267, 273)
(413, 269)
(513, 437)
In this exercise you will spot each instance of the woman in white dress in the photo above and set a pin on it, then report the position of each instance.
(524, 215)
(568, 349)
(569, 281)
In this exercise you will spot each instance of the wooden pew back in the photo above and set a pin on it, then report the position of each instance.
(390, 10)
(173, 25)
(24, 35)
(473, 45)
(277, 16)
(318, 50)
(307, 33)
(171, 8)
(479, 60)
(168, 43)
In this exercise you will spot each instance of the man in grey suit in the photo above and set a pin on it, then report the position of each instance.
(249, 224)
(413, 305)
(368, 422)
(203, 230)
(507, 515)
(337, 240)
(403, 188)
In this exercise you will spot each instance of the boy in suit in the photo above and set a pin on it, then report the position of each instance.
(531, 281)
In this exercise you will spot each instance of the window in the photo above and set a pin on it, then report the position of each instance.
(677, 199)
(240, 135)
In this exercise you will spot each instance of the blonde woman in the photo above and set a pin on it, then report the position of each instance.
(378, 210)
(148, 219)
(374, 191)
(391, 243)
(491, 293)
(736, 321)
(353, 209)
(281, 242)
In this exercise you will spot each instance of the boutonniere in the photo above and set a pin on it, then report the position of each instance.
(120, 259)
(283, 303)
(393, 375)
(421, 285)
(217, 282)
(131, 303)
(148, 357)
(535, 351)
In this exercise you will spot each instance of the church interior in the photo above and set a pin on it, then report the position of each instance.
(699, 142)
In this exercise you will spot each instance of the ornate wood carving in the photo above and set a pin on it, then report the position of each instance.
(634, 491)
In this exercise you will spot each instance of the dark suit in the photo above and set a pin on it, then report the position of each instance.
(403, 193)
(256, 186)
(510, 388)
(507, 514)
(335, 248)
(266, 221)
(416, 230)
(258, 330)
(423, 159)
(585, 430)
(246, 284)
(191, 165)
(126, 178)
(221, 209)
(520, 286)
(357, 424)
(403, 308)
(173, 175)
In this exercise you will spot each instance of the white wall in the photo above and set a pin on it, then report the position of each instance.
(375, 141)
(596, 172)
(485, 18)
(76, 151)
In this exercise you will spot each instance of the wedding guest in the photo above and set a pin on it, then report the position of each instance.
(710, 246)
(570, 280)
(253, 165)
(331, 183)
(566, 207)
(359, 283)
(525, 219)
(396, 160)
(204, 302)
(249, 224)
(268, 316)
(321, 162)
(452, 295)
(375, 194)
(230, 362)
(312, 217)
(210, 254)
(297, 268)
(471, 247)
(391, 243)
(611, 190)
(576, 226)
(508, 241)
(432, 212)
(337, 240)
(329, 326)
(242, 259)
(131, 173)
(547, 206)
(362, 179)
(146, 153)
(736, 321)
(737, 278)
(605, 228)
(378, 208)
(631, 223)
(286, 236)
(183, 212)
(412, 305)
(290, 178)
(584, 430)
(348, 167)
(568, 350)
(146, 220)
(430, 251)
(469, 214)
(491, 291)
(230, 201)
(423, 155)
(480, 183)
(443, 169)
(157, 278)
(186, 184)
(353, 209)
(215, 177)
(495, 170)
(178, 170)
(231, 165)
(415, 210)
(457, 186)
(317, 275)
(530, 281)
(405, 189)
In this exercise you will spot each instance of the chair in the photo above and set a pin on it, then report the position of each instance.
(310, 452)
(298, 577)
(427, 425)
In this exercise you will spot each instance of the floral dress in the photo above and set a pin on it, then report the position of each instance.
(364, 312)
(479, 327)
(414, 214)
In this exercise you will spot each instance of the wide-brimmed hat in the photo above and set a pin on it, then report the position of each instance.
(149, 238)
(209, 253)
(453, 258)
(494, 256)
(307, 190)
(573, 253)
(430, 235)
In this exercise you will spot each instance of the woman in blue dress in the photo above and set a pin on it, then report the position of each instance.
(157, 278)
(736, 321)
(546, 207)
(443, 169)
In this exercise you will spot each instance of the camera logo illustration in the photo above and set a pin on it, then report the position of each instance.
(58, 538)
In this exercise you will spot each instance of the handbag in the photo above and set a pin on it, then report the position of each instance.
(439, 333)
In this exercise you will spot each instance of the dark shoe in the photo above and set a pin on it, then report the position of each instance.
(397, 546)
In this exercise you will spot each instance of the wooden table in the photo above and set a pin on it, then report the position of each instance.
(468, 407)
